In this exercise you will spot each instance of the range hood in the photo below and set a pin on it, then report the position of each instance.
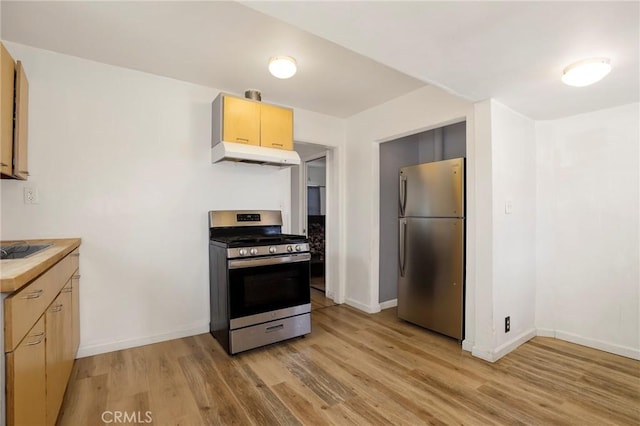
(238, 152)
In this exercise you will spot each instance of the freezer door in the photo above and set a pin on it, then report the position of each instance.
(430, 284)
(433, 189)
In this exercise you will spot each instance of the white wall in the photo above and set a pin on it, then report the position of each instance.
(479, 298)
(121, 159)
(505, 245)
(588, 229)
(514, 238)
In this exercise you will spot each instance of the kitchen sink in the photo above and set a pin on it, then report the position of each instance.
(21, 250)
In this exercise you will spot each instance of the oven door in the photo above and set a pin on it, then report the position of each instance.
(262, 289)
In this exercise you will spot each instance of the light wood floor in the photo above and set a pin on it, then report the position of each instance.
(318, 283)
(356, 369)
(318, 300)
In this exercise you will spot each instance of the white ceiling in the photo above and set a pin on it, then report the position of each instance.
(355, 55)
(217, 44)
(512, 51)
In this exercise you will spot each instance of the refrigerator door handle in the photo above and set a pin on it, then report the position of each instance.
(403, 194)
(402, 255)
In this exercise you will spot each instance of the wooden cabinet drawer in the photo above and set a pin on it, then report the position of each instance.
(23, 308)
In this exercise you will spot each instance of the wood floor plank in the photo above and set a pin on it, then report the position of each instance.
(216, 403)
(410, 410)
(360, 369)
(319, 380)
(85, 401)
(302, 406)
(280, 412)
(127, 375)
(168, 388)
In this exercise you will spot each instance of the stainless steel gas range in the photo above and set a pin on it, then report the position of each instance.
(259, 280)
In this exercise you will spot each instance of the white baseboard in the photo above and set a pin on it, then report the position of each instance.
(626, 351)
(467, 345)
(101, 348)
(389, 304)
(492, 355)
(487, 355)
(361, 306)
(509, 346)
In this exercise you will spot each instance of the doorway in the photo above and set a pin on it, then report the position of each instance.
(316, 211)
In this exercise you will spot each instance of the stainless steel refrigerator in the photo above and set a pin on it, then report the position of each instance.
(432, 245)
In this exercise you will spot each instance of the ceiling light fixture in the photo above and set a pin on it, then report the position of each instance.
(586, 72)
(282, 66)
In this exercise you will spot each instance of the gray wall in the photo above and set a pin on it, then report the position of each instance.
(434, 145)
(393, 155)
(444, 143)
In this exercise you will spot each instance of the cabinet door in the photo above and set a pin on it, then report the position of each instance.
(7, 74)
(20, 170)
(26, 379)
(240, 121)
(276, 127)
(75, 314)
(58, 327)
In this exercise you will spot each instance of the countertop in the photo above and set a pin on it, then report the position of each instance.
(15, 273)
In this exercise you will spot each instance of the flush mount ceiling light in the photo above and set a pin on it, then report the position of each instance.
(282, 66)
(586, 72)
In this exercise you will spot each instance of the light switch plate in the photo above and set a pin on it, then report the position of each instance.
(508, 207)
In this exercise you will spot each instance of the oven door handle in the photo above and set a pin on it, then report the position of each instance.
(266, 261)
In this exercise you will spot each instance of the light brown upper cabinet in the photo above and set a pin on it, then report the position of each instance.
(14, 107)
(236, 120)
(251, 122)
(7, 77)
(276, 127)
(20, 170)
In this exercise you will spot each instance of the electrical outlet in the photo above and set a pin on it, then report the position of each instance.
(30, 195)
(507, 324)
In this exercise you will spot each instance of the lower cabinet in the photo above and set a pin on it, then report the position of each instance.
(26, 379)
(75, 313)
(59, 356)
(39, 363)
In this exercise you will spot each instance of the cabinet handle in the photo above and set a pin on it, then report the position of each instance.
(24, 171)
(75, 277)
(75, 254)
(277, 144)
(33, 295)
(40, 335)
(67, 290)
(57, 308)
(242, 139)
(4, 165)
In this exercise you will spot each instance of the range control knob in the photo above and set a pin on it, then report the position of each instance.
(289, 249)
(298, 248)
(242, 252)
(253, 251)
(272, 249)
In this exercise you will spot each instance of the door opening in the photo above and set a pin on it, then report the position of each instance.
(316, 213)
